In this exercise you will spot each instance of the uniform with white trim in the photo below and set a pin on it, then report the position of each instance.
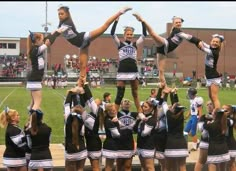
(15, 140)
(40, 153)
(127, 120)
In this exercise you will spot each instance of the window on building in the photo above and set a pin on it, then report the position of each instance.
(175, 66)
(3, 45)
(149, 53)
(11, 45)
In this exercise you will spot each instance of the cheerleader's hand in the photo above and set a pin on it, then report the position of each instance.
(115, 119)
(138, 17)
(125, 9)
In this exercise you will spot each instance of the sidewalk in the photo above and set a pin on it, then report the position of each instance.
(57, 151)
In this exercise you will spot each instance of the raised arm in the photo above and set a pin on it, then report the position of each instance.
(144, 34)
(113, 29)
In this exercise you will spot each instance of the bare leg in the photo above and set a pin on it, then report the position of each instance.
(70, 166)
(95, 164)
(159, 40)
(109, 164)
(99, 31)
(182, 163)
(161, 62)
(83, 64)
(201, 160)
(163, 164)
(37, 99)
(134, 89)
(149, 164)
(81, 165)
(214, 90)
(232, 164)
(128, 164)
(212, 167)
(119, 164)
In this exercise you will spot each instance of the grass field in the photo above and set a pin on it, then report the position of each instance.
(52, 105)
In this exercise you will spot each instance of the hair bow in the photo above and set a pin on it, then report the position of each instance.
(64, 7)
(6, 109)
(221, 37)
(32, 36)
(175, 17)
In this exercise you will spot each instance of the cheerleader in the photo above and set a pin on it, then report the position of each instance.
(126, 150)
(15, 141)
(145, 139)
(204, 142)
(36, 46)
(160, 133)
(91, 122)
(39, 141)
(166, 45)
(213, 77)
(75, 149)
(128, 69)
(218, 154)
(230, 111)
(82, 39)
(176, 147)
(112, 129)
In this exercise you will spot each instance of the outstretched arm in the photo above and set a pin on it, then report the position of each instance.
(152, 33)
(144, 34)
(114, 36)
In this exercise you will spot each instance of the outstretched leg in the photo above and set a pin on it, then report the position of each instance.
(159, 40)
(97, 32)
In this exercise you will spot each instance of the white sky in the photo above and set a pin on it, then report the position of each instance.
(18, 17)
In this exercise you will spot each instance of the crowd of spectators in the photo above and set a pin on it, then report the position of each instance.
(13, 66)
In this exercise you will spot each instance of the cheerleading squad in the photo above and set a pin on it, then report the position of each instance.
(159, 126)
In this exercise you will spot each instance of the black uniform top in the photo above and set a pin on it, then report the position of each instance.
(211, 59)
(37, 62)
(15, 142)
(127, 51)
(204, 119)
(127, 120)
(145, 132)
(174, 40)
(112, 134)
(69, 146)
(41, 140)
(215, 133)
(70, 33)
(230, 134)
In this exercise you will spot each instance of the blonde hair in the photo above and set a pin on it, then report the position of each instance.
(6, 117)
(128, 28)
(108, 108)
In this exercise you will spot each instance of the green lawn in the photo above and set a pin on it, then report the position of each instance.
(19, 98)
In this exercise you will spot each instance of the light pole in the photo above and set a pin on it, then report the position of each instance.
(45, 26)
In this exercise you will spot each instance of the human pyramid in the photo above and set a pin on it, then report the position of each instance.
(159, 126)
